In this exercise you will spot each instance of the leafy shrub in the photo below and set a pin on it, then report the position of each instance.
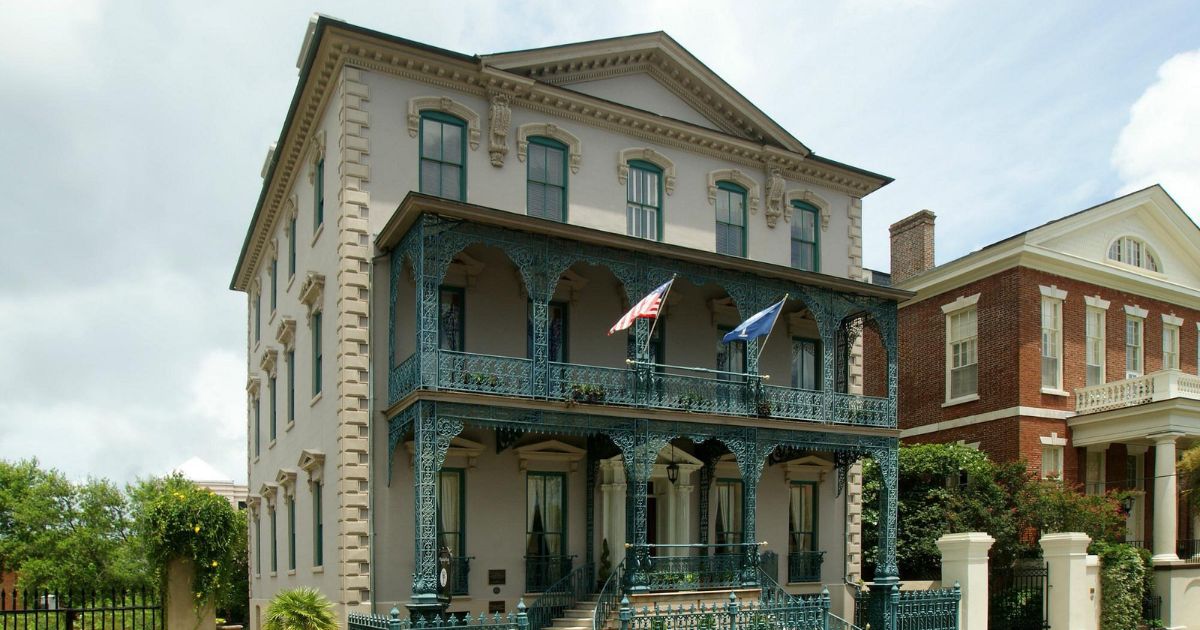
(1122, 584)
(300, 609)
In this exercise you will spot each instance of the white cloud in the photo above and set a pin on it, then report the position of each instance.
(1161, 142)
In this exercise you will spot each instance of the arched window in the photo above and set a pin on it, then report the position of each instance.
(1132, 251)
(643, 200)
(806, 246)
(443, 155)
(546, 179)
(731, 219)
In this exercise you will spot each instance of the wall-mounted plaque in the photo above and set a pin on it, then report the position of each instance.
(496, 576)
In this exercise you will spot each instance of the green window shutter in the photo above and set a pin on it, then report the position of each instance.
(291, 385)
(316, 352)
(271, 405)
(274, 542)
(546, 179)
(318, 527)
(443, 156)
(806, 237)
(731, 219)
(257, 428)
(274, 284)
(292, 533)
(292, 246)
(319, 194)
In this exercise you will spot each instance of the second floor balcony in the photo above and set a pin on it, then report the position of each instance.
(495, 310)
(1139, 390)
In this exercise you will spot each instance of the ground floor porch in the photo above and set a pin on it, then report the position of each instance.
(515, 503)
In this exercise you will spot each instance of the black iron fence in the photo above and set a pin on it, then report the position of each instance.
(1017, 598)
(542, 571)
(51, 610)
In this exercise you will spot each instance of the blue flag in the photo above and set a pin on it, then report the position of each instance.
(757, 325)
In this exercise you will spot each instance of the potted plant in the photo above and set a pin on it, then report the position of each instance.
(583, 392)
(764, 409)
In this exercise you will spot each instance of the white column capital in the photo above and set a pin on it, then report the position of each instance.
(1165, 438)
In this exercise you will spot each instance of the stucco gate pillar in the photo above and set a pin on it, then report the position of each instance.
(1071, 604)
(965, 561)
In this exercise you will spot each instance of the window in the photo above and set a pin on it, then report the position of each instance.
(962, 353)
(318, 526)
(546, 185)
(451, 319)
(257, 428)
(556, 333)
(257, 543)
(257, 316)
(1051, 343)
(319, 194)
(292, 246)
(443, 152)
(1094, 341)
(1133, 347)
(802, 532)
(1132, 251)
(291, 385)
(545, 529)
(316, 353)
(806, 357)
(1170, 344)
(271, 405)
(728, 519)
(643, 200)
(1095, 473)
(731, 219)
(274, 283)
(1052, 461)
(731, 357)
(451, 515)
(274, 542)
(291, 508)
(806, 249)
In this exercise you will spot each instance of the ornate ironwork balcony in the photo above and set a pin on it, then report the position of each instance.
(805, 566)
(642, 386)
(541, 572)
(461, 570)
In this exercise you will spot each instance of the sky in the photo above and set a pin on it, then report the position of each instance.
(134, 133)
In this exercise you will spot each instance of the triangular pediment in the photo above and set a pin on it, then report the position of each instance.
(1149, 217)
(650, 72)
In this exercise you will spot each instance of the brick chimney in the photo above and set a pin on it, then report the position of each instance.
(912, 245)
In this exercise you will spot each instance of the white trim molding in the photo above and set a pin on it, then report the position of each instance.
(1053, 440)
(553, 131)
(1172, 320)
(446, 105)
(1134, 310)
(961, 303)
(1097, 302)
(807, 196)
(737, 177)
(1053, 291)
(981, 418)
(648, 155)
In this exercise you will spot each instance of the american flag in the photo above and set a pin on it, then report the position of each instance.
(648, 307)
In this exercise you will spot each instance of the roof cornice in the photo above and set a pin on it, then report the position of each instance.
(337, 44)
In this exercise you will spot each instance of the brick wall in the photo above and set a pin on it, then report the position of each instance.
(875, 377)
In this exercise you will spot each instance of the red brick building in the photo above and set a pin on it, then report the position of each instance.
(1072, 346)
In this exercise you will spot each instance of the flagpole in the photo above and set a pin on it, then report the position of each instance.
(763, 345)
(666, 294)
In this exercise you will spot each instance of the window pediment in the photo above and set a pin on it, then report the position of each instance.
(459, 447)
(312, 291)
(549, 451)
(810, 198)
(286, 479)
(269, 360)
(739, 178)
(550, 130)
(268, 492)
(808, 468)
(286, 333)
(312, 462)
(446, 105)
(253, 386)
(647, 155)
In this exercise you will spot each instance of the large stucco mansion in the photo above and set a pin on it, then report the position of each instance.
(441, 244)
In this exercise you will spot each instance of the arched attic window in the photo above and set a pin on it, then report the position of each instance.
(1135, 252)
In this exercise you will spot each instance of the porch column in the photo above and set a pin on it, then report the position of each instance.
(750, 458)
(428, 270)
(639, 450)
(612, 496)
(1164, 497)
(683, 513)
(885, 591)
(431, 440)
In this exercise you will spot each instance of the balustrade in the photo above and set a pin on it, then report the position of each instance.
(1153, 387)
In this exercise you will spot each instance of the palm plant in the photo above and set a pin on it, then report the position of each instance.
(300, 609)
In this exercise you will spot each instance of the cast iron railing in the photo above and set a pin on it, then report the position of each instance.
(837, 623)
(1186, 549)
(123, 610)
(641, 385)
(393, 621)
(1152, 608)
(609, 598)
(461, 572)
(672, 567)
(543, 571)
(805, 566)
(770, 590)
(1018, 597)
(800, 613)
(935, 609)
(561, 596)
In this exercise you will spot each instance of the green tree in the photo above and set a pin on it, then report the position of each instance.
(1189, 474)
(65, 536)
(300, 609)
